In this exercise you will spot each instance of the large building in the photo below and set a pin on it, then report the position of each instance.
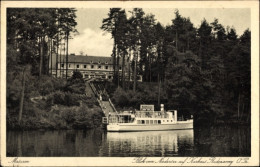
(89, 66)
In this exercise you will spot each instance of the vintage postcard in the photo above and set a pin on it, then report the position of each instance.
(129, 83)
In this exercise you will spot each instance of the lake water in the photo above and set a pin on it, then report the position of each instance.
(217, 141)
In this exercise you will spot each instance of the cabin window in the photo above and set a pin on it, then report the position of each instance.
(147, 122)
(151, 121)
(142, 121)
(159, 121)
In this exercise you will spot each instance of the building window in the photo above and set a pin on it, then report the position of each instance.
(159, 121)
(69, 65)
(147, 122)
(106, 62)
(151, 121)
(85, 66)
(99, 67)
(77, 65)
(92, 66)
(62, 65)
(91, 62)
(142, 121)
(99, 62)
(106, 67)
(120, 68)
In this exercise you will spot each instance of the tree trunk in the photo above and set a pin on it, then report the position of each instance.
(159, 90)
(22, 98)
(51, 55)
(114, 62)
(41, 56)
(64, 60)
(67, 50)
(123, 71)
(57, 56)
(150, 72)
(117, 64)
(135, 61)
(60, 59)
(129, 69)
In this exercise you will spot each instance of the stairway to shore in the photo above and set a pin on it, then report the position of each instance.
(98, 90)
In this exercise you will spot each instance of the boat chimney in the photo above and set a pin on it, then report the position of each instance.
(162, 107)
(175, 115)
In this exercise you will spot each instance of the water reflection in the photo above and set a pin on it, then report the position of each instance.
(156, 143)
(217, 141)
(222, 141)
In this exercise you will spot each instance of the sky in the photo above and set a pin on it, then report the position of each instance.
(92, 41)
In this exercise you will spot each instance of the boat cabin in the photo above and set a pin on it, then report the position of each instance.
(146, 115)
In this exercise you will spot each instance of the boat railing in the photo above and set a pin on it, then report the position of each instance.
(151, 115)
(128, 116)
(146, 114)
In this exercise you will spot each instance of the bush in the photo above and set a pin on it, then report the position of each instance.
(71, 99)
(59, 98)
(77, 87)
(120, 97)
(83, 117)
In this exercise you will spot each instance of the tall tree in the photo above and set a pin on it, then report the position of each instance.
(182, 76)
(136, 21)
(110, 24)
(204, 34)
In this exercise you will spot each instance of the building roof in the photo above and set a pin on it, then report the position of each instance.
(89, 59)
(72, 58)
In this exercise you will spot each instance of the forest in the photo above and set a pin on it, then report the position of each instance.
(35, 98)
(203, 71)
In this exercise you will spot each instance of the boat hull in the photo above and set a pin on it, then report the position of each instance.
(141, 127)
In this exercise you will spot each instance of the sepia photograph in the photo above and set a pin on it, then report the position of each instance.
(130, 84)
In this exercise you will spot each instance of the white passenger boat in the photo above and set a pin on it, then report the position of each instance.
(146, 119)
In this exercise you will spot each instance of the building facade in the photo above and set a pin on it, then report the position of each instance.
(89, 66)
